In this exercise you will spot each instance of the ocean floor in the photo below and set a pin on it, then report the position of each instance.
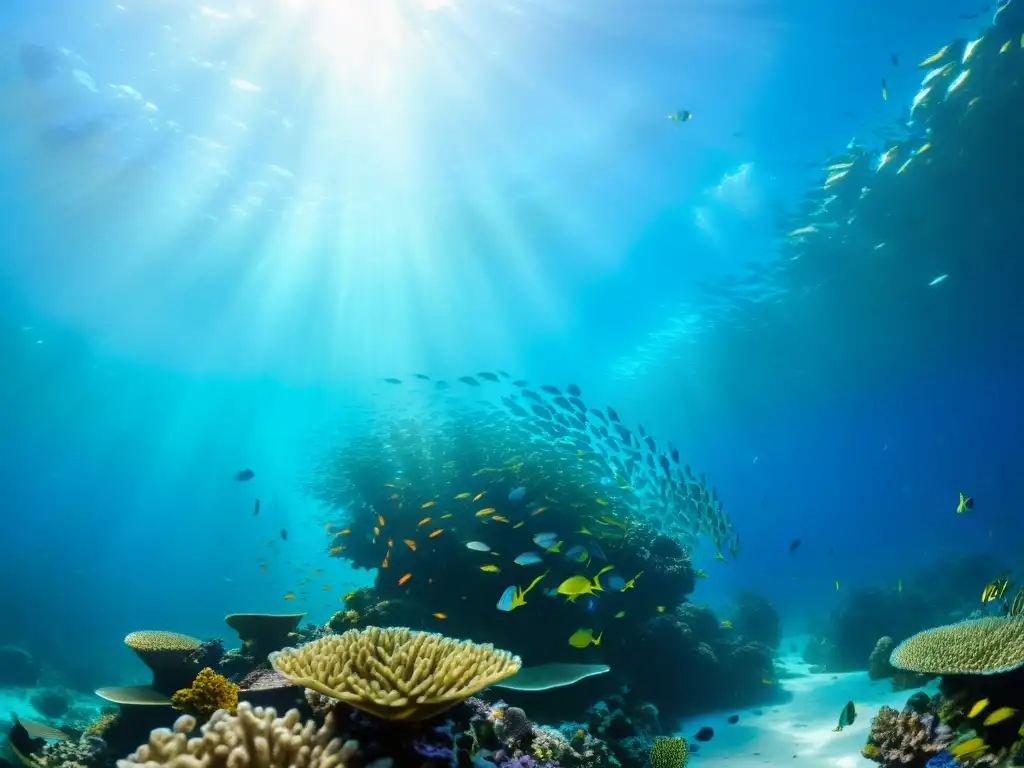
(16, 702)
(798, 732)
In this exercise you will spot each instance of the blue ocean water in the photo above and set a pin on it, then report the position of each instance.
(225, 225)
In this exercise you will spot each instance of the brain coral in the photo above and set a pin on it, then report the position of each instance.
(395, 673)
(986, 646)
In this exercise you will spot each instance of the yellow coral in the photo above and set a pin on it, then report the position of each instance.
(987, 646)
(208, 693)
(100, 725)
(669, 753)
(395, 673)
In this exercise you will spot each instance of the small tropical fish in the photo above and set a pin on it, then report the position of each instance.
(513, 597)
(256, 508)
(726, 624)
(578, 585)
(810, 229)
(440, 615)
(464, 495)
(350, 595)
(244, 475)
(620, 615)
(392, 381)
(937, 56)
(499, 518)
(995, 588)
(527, 558)
(966, 504)
(847, 716)
(479, 496)
(484, 512)
(410, 544)
(289, 595)
(424, 521)
(435, 534)
(977, 709)
(970, 746)
(680, 116)
(427, 504)
(446, 515)
(517, 494)
(899, 585)
(520, 524)
(326, 587)
(404, 579)
(998, 715)
(578, 554)
(380, 519)
(794, 545)
(545, 540)
(631, 583)
(284, 534)
(700, 573)
(538, 510)
(376, 531)
(582, 638)
(490, 568)
(477, 546)
(885, 91)
(837, 585)
(660, 609)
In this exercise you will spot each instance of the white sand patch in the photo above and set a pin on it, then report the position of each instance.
(799, 732)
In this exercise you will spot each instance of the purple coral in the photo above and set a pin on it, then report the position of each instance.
(906, 738)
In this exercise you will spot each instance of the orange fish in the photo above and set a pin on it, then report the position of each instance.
(336, 550)
(424, 521)
(427, 505)
(404, 579)
(479, 496)
(345, 532)
(499, 518)
(435, 534)
(440, 615)
(391, 543)
(384, 562)
(380, 519)
(376, 531)
(487, 511)
(410, 544)
(289, 595)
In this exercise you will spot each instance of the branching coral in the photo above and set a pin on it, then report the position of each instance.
(254, 738)
(986, 646)
(905, 738)
(395, 673)
(208, 693)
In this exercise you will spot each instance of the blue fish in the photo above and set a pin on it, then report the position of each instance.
(505, 601)
(545, 540)
(616, 583)
(517, 494)
(527, 558)
(578, 554)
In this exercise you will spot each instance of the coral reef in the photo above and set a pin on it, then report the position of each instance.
(208, 693)
(905, 738)
(879, 667)
(757, 620)
(395, 673)
(248, 738)
(17, 668)
(263, 633)
(669, 753)
(53, 703)
(980, 646)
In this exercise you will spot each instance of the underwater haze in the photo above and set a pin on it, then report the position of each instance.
(292, 237)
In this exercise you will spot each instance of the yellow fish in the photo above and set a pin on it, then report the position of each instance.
(937, 56)
(726, 624)
(968, 747)
(464, 495)
(810, 229)
(427, 504)
(977, 709)
(966, 504)
(424, 521)
(581, 638)
(410, 544)
(487, 511)
(538, 510)
(440, 615)
(631, 583)
(404, 579)
(499, 518)
(999, 715)
(435, 534)
(513, 597)
(661, 609)
(490, 568)
(581, 585)
(837, 585)
(479, 496)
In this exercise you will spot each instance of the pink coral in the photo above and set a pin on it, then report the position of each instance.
(906, 738)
